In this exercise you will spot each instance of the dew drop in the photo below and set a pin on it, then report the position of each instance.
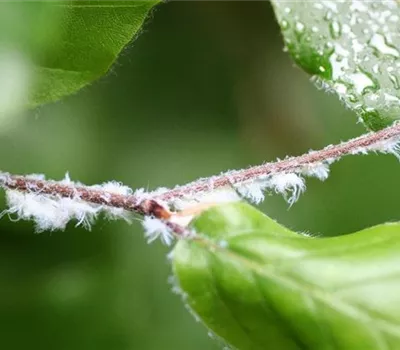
(391, 98)
(328, 15)
(379, 42)
(375, 68)
(361, 82)
(300, 27)
(335, 29)
(395, 81)
(352, 98)
(341, 88)
(287, 10)
(339, 58)
(284, 24)
(346, 29)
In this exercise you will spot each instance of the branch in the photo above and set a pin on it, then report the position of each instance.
(27, 195)
(385, 141)
(92, 194)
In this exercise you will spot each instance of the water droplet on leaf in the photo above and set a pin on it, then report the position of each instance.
(335, 29)
(380, 43)
(284, 24)
(395, 81)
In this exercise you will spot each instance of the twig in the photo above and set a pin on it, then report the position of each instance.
(362, 144)
(84, 193)
(157, 204)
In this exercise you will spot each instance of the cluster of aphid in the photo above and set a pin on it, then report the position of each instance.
(68, 200)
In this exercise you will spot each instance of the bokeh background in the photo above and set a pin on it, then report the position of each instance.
(206, 87)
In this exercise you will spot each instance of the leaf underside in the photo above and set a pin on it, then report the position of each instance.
(352, 48)
(258, 285)
(68, 44)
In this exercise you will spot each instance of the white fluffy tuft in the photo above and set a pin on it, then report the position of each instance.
(54, 212)
(318, 170)
(116, 188)
(109, 188)
(3, 178)
(391, 146)
(49, 213)
(39, 177)
(290, 185)
(155, 228)
(254, 190)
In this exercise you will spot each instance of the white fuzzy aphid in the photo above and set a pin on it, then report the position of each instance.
(254, 190)
(319, 170)
(155, 228)
(389, 146)
(49, 213)
(290, 185)
(53, 212)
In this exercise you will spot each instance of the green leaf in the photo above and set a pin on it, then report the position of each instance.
(260, 286)
(67, 44)
(352, 48)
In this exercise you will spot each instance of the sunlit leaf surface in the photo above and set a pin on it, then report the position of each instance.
(351, 48)
(260, 286)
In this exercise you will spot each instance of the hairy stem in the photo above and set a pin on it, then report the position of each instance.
(84, 193)
(152, 203)
(294, 164)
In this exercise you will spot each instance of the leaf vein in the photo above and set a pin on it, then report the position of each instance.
(329, 299)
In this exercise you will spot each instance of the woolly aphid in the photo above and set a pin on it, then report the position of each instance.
(155, 228)
(53, 212)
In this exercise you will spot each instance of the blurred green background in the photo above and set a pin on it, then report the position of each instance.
(206, 87)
